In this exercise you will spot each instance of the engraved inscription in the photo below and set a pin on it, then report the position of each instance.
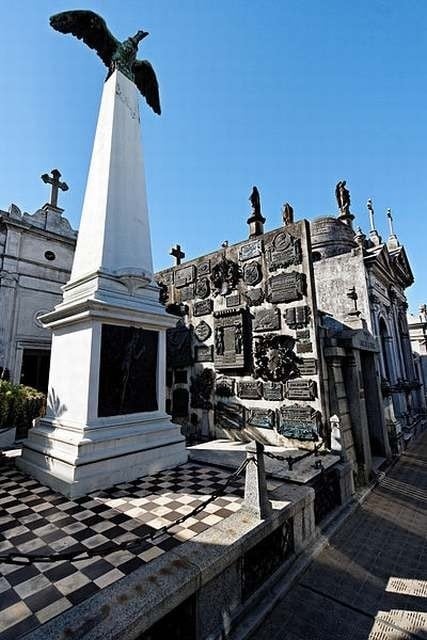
(185, 276)
(286, 287)
(267, 320)
(202, 308)
(301, 390)
(273, 391)
(299, 421)
(307, 366)
(304, 347)
(250, 250)
(284, 252)
(204, 353)
(251, 390)
(233, 300)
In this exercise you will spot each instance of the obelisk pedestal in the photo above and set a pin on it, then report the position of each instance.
(106, 419)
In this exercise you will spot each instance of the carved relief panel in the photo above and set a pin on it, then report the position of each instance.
(230, 338)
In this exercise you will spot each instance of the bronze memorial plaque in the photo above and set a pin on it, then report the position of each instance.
(202, 308)
(299, 421)
(286, 287)
(285, 251)
(267, 319)
(250, 389)
(229, 339)
(185, 276)
(301, 389)
(297, 317)
(204, 353)
(307, 366)
(224, 387)
(128, 370)
(204, 268)
(252, 273)
(202, 288)
(250, 250)
(273, 391)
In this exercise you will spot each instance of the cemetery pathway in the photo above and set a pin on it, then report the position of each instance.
(370, 581)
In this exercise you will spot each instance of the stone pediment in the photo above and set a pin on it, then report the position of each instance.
(50, 220)
(401, 267)
(392, 266)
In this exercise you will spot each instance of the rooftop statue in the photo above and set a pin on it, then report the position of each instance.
(342, 195)
(92, 29)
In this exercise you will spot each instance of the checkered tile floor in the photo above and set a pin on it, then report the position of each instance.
(34, 519)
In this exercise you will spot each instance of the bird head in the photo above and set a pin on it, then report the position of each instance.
(140, 35)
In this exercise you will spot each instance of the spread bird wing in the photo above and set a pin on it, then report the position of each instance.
(146, 81)
(89, 27)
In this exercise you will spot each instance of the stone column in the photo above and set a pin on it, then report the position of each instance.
(256, 497)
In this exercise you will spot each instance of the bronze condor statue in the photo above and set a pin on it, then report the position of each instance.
(92, 29)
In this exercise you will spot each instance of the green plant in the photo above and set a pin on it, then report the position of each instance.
(19, 406)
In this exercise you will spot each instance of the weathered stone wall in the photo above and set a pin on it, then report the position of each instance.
(244, 358)
(335, 276)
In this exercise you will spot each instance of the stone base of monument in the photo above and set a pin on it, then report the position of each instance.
(76, 464)
(105, 420)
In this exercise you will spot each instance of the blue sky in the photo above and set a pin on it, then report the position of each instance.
(290, 96)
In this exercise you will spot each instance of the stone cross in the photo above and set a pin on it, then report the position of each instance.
(370, 208)
(56, 184)
(352, 294)
(390, 221)
(177, 254)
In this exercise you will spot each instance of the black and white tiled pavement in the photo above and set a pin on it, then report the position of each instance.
(35, 519)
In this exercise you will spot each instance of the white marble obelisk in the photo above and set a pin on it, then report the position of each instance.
(91, 438)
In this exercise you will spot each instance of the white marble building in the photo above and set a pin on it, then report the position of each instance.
(36, 254)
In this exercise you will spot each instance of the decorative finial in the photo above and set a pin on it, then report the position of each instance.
(177, 254)
(287, 214)
(390, 222)
(56, 184)
(370, 208)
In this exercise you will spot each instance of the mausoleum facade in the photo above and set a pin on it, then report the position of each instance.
(36, 254)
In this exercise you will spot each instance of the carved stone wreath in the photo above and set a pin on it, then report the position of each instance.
(275, 359)
(225, 276)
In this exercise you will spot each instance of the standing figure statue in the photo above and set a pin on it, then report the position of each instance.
(92, 29)
(342, 195)
(288, 214)
(255, 202)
